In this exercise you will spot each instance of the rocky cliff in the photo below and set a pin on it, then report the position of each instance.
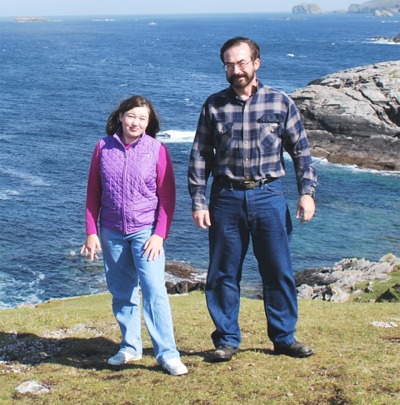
(378, 7)
(353, 116)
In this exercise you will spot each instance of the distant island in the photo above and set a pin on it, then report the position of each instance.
(380, 8)
(30, 19)
(307, 8)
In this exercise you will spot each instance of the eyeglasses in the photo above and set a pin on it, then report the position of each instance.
(241, 65)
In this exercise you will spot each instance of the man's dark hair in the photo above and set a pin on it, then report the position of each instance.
(255, 49)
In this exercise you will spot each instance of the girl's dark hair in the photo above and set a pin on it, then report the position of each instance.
(255, 49)
(114, 124)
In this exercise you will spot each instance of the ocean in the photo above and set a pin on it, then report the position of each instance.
(60, 79)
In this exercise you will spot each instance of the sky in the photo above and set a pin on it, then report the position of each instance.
(46, 8)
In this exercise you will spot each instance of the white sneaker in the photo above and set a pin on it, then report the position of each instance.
(123, 357)
(175, 366)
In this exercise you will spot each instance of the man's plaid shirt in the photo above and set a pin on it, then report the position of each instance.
(245, 140)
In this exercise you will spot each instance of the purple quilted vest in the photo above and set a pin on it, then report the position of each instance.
(129, 188)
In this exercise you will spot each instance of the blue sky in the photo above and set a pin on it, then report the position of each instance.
(39, 8)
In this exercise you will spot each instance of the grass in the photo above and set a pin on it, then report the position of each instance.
(64, 344)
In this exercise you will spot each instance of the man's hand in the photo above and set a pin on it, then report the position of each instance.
(201, 218)
(305, 208)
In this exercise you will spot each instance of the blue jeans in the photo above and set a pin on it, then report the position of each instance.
(126, 268)
(236, 215)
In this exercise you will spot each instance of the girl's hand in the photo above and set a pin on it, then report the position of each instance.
(153, 248)
(91, 247)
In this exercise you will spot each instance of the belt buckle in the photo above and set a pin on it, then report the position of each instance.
(249, 184)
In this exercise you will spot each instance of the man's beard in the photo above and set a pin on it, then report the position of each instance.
(241, 80)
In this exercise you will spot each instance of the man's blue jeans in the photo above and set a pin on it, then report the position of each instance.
(236, 216)
(125, 267)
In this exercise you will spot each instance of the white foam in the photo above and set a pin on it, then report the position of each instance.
(383, 41)
(29, 178)
(175, 136)
(355, 168)
(25, 291)
(8, 194)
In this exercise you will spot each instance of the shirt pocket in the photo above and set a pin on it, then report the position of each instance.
(223, 136)
(270, 130)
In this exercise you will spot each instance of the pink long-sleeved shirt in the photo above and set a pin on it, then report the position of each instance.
(166, 192)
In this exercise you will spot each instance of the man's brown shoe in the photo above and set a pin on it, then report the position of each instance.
(223, 353)
(296, 349)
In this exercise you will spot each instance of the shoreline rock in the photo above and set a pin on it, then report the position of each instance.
(353, 116)
(338, 282)
(333, 284)
(182, 278)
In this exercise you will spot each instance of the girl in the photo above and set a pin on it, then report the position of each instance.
(131, 185)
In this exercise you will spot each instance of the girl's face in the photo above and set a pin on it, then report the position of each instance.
(134, 123)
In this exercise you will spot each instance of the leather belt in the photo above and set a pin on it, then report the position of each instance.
(244, 184)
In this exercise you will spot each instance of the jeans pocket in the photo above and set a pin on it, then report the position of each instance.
(217, 189)
(274, 187)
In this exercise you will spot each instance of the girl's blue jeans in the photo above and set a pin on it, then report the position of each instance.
(238, 216)
(126, 269)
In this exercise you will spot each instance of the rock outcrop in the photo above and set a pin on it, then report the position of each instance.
(353, 116)
(306, 8)
(336, 283)
(389, 40)
(182, 279)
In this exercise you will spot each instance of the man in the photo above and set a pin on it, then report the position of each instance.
(241, 135)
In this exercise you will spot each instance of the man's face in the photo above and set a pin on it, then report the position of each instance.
(240, 68)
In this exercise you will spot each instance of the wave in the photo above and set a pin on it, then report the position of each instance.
(30, 178)
(7, 194)
(355, 168)
(175, 136)
(6, 138)
(26, 290)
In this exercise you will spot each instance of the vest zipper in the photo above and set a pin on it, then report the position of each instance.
(124, 189)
